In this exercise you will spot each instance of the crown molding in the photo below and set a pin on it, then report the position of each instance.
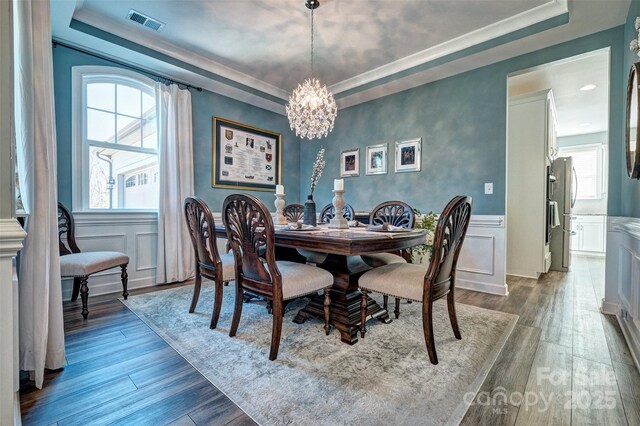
(122, 29)
(514, 23)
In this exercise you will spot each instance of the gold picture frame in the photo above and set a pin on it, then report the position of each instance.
(245, 157)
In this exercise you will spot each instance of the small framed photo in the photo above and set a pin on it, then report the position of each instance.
(350, 162)
(408, 158)
(376, 159)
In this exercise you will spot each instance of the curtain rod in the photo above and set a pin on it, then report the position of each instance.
(124, 64)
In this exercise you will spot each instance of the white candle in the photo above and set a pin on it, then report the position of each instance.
(280, 189)
(338, 184)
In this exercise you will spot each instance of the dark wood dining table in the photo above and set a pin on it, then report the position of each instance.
(342, 248)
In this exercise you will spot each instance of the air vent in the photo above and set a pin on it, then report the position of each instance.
(145, 20)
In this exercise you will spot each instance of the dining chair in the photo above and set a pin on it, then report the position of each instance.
(436, 283)
(80, 265)
(209, 263)
(396, 213)
(294, 212)
(328, 212)
(250, 231)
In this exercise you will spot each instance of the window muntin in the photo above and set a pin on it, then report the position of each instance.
(118, 138)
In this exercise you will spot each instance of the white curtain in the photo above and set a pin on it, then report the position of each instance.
(176, 260)
(40, 292)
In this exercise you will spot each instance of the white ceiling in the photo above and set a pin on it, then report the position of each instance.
(364, 48)
(578, 112)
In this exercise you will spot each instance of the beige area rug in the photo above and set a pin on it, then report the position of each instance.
(383, 379)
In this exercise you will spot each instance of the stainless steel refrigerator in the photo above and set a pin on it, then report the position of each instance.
(563, 192)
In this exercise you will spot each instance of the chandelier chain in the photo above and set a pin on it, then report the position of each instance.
(311, 42)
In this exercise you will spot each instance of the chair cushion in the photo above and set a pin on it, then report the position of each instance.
(299, 279)
(90, 262)
(403, 280)
(228, 267)
(376, 260)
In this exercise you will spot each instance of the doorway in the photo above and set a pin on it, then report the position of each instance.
(578, 121)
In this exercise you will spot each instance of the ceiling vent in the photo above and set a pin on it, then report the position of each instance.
(145, 20)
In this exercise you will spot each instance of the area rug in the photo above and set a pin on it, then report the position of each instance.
(385, 378)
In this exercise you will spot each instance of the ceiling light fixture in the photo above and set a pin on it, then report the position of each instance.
(312, 109)
(588, 87)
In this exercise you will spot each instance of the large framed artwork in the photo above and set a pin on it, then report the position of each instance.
(408, 158)
(376, 159)
(350, 162)
(245, 157)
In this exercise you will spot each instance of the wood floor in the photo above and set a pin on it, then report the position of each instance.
(565, 363)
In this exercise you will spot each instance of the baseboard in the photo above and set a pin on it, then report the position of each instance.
(524, 274)
(632, 336)
(500, 290)
(609, 308)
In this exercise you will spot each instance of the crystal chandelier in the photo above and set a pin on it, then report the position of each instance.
(312, 109)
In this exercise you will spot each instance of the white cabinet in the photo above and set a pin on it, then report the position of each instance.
(588, 234)
(530, 147)
(551, 141)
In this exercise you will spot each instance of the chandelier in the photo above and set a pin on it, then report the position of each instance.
(312, 109)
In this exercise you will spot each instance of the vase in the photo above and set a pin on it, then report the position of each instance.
(309, 212)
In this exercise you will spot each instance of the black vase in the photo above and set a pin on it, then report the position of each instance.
(309, 211)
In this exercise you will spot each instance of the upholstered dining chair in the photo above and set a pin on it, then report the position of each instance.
(294, 212)
(328, 212)
(209, 263)
(396, 213)
(250, 230)
(439, 279)
(80, 265)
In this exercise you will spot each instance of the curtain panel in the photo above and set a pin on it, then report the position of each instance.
(176, 259)
(40, 293)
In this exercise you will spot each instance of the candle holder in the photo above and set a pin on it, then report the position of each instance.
(279, 203)
(338, 221)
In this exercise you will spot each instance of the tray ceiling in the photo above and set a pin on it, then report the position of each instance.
(261, 49)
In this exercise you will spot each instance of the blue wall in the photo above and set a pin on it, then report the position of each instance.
(205, 105)
(462, 123)
(630, 190)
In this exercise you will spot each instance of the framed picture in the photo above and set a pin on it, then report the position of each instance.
(245, 157)
(408, 158)
(376, 159)
(350, 162)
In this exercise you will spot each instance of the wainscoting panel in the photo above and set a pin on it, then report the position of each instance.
(135, 234)
(482, 262)
(622, 280)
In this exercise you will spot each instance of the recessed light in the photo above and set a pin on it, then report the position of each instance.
(585, 124)
(588, 87)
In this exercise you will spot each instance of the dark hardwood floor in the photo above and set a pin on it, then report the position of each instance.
(562, 351)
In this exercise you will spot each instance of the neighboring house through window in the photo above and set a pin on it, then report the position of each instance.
(115, 139)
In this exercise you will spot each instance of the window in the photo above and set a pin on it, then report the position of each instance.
(115, 139)
(589, 162)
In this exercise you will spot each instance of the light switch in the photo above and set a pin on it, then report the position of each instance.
(488, 188)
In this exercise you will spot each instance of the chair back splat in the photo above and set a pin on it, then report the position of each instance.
(202, 232)
(449, 236)
(294, 212)
(396, 213)
(251, 235)
(329, 212)
(66, 231)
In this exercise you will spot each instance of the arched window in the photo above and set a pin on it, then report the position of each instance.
(115, 139)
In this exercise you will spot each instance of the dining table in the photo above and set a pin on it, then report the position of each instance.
(338, 252)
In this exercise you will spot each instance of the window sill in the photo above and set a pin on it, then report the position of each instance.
(107, 217)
